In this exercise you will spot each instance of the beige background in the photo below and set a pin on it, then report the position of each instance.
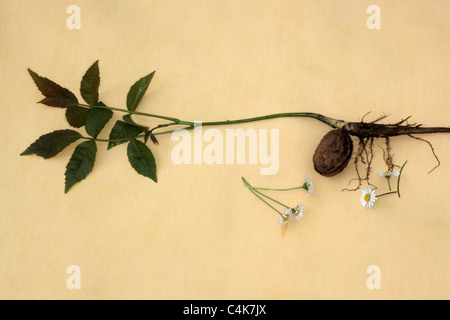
(199, 233)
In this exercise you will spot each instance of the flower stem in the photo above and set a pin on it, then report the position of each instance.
(286, 189)
(259, 194)
(246, 182)
(385, 194)
(264, 195)
(252, 191)
(398, 181)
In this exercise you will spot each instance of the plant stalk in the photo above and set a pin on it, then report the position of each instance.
(358, 129)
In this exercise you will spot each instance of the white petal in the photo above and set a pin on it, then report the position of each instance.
(366, 190)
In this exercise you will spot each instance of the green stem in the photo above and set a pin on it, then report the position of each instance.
(170, 131)
(281, 204)
(384, 194)
(112, 140)
(331, 122)
(189, 125)
(246, 182)
(178, 121)
(252, 191)
(257, 193)
(287, 189)
(127, 139)
(399, 176)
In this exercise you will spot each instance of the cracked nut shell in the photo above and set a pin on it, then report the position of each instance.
(333, 153)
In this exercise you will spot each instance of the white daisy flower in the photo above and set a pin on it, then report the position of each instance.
(387, 174)
(309, 186)
(284, 219)
(368, 197)
(297, 212)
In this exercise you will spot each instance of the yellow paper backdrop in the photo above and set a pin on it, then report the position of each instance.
(198, 233)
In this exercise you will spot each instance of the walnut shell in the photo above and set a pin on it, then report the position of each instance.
(333, 153)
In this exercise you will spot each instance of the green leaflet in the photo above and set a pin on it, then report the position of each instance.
(90, 84)
(96, 119)
(76, 116)
(137, 91)
(141, 159)
(50, 144)
(55, 95)
(135, 94)
(123, 130)
(81, 163)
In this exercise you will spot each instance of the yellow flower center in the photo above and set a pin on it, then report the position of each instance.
(286, 218)
(367, 197)
(296, 212)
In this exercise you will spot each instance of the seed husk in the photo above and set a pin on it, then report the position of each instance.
(333, 153)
